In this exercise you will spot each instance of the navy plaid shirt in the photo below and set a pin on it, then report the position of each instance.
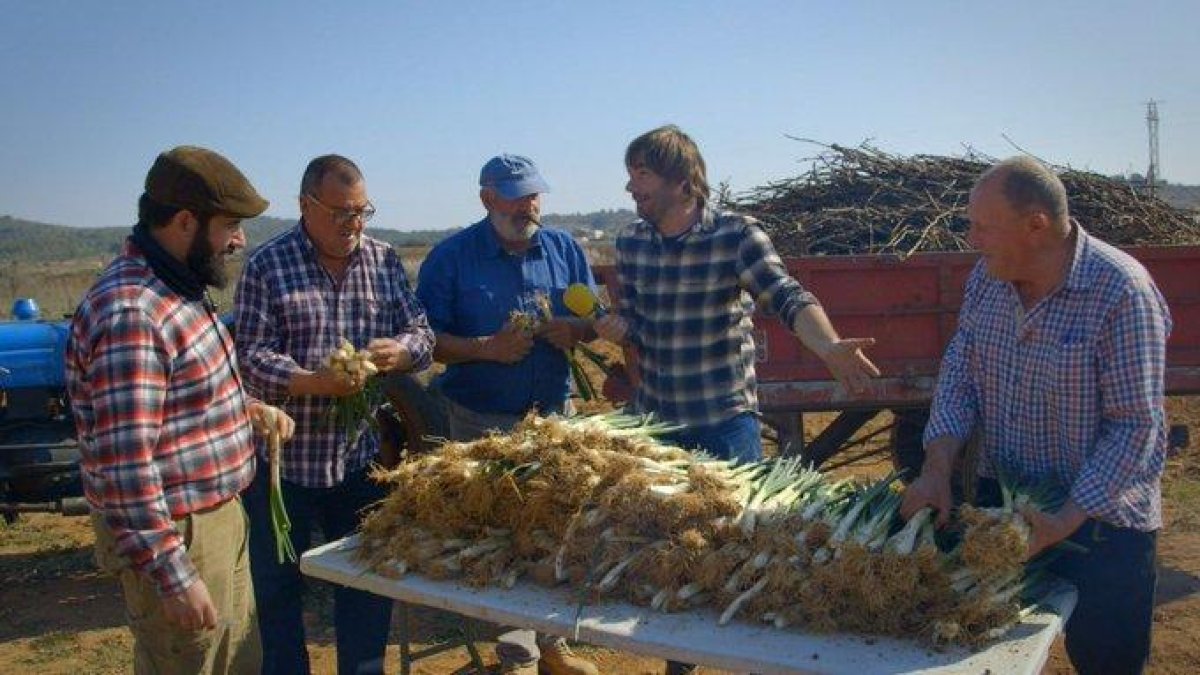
(689, 302)
(1070, 392)
(291, 314)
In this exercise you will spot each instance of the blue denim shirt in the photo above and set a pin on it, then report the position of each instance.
(469, 285)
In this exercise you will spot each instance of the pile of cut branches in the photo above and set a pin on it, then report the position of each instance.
(864, 201)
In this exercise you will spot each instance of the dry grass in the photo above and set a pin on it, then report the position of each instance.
(58, 286)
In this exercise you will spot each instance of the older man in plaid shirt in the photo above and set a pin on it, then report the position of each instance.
(300, 294)
(164, 427)
(1058, 362)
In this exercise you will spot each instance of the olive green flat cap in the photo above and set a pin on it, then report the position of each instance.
(200, 180)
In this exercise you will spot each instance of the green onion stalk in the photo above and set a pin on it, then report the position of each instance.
(281, 524)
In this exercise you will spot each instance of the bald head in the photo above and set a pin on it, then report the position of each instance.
(1029, 185)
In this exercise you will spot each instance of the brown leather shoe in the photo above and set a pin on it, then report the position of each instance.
(557, 659)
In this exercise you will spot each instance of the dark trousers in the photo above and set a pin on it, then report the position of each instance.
(361, 619)
(1109, 631)
(737, 438)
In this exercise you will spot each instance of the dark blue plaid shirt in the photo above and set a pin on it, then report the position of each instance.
(689, 302)
(291, 314)
(1070, 392)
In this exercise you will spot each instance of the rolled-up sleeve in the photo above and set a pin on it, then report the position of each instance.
(955, 409)
(764, 276)
(413, 332)
(265, 367)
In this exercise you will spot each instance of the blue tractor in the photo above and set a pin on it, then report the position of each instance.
(39, 456)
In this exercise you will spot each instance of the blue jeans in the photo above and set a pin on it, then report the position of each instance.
(1115, 577)
(361, 619)
(737, 438)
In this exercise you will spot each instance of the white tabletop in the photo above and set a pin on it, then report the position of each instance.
(694, 636)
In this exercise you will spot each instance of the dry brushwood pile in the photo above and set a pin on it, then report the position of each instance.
(597, 506)
(864, 201)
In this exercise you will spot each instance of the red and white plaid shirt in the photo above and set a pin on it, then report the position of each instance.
(160, 412)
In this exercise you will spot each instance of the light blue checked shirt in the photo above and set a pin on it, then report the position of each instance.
(1070, 392)
(291, 314)
(689, 301)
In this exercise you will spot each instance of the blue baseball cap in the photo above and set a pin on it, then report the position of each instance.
(513, 176)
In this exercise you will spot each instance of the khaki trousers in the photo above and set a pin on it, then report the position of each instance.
(217, 544)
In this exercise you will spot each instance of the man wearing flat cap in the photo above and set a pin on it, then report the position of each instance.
(164, 426)
(301, 293)
(472, 284)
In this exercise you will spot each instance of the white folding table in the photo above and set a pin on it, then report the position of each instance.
(695, 637)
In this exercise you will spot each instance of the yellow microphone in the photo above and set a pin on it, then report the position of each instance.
(582, 302)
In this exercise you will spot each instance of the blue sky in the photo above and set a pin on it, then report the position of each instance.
(420, 94)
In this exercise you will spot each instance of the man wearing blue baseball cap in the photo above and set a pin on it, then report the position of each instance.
(494, 296)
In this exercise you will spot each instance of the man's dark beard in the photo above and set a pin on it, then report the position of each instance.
(204, 262)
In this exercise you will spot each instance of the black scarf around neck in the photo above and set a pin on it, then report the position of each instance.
(173, 272)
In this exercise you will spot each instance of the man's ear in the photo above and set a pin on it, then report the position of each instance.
(486, 196)
(184, 222)
(1038, 221)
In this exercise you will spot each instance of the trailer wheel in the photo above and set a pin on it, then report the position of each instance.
(411, 418)
(908, 451)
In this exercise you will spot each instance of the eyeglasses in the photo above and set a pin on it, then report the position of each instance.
(344, 216)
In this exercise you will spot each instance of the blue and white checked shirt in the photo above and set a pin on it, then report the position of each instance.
(291, 314)
(1072, 393)
(689, 302)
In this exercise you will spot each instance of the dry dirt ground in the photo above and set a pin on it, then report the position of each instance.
(59, 616)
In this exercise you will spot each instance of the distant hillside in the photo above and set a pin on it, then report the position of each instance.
(31, 241)
(1181, 196)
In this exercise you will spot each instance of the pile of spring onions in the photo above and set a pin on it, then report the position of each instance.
(354, 413)
(597, 504)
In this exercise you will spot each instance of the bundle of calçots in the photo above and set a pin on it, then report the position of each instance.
(598, 504)
(355, 412)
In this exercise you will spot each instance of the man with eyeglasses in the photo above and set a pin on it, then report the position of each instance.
(300, 294)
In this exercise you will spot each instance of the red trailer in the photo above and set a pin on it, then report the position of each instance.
(910, 306)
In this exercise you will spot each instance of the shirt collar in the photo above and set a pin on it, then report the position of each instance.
(709, 220)
(1078, 277)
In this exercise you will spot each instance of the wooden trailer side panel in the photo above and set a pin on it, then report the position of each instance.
(911, 308)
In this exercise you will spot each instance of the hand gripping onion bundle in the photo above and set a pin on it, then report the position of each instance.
(353, 412)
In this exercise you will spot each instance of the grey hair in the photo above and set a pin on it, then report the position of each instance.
(346, 172)
(1030, 185)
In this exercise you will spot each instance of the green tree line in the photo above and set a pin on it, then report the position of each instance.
(31, 241)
